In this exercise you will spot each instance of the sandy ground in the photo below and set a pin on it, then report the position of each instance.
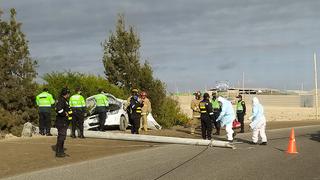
(276, 111)
(29, 154)
(24, 155)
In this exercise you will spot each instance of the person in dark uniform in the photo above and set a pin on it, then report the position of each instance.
(64, 115)
(135, 107)
(134, 92)
(78, 107)
(206, 116)
(216, 112)
(241, 112)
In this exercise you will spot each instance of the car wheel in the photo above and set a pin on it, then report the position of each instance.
(123, 123)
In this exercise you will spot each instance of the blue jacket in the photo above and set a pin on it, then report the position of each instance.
(257, 116)
(227, 113)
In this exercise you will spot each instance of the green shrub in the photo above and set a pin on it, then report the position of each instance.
(170, 114)
(90, 84)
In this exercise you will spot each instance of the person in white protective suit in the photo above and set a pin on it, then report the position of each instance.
(226, 117)
(258, 124)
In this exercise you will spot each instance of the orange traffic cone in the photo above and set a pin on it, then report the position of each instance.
(292, 149)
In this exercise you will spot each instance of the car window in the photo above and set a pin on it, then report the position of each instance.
(114, 104)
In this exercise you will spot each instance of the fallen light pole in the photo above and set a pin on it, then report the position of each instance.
(149, 138)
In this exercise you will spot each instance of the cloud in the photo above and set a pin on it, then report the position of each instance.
(184, 40)
(228, 65)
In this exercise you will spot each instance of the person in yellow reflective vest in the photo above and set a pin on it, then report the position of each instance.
(45, 102)
(241, 112)
(78, 107)
(206, 117)
(102, 103)
(216, 112)
(63, 118)
(135, 110)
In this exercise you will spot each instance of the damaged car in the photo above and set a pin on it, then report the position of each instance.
(116, 114)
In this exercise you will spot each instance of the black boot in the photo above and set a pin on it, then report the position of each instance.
(41, 132)
(73, 134)
(48, 132)
(263, 143)
(57, 150)
(81, 135)
(60, 150)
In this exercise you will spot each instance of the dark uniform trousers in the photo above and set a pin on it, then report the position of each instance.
(44, 121)
(216, 124)
(240, 116)
(77, 120)
(102, 114)
(206, 126)
(62, 126)
(135, 124)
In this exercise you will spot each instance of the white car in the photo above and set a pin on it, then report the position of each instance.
(116, 114)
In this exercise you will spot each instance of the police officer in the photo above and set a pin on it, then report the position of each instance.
(241, 112)
(216, 112)
(195, 111)
(78, 107)
(64, 115)
(45, 101)
(206, 117)
(102, 103)
(135, 109)
(134, 92)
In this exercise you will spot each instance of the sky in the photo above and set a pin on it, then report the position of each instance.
(190, 44)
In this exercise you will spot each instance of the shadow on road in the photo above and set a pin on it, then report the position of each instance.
(315, 137)
(242, 140)
(53, 147)
(282, 150)
(188, 131)
(219, 138)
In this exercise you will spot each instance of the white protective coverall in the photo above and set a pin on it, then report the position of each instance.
(226, 117)
(258, 124)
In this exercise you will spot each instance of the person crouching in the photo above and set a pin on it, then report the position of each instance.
(226, 117)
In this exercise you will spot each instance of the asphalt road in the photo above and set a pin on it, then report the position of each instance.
(194, 162)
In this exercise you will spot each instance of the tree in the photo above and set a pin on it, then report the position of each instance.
(17, 74)
(154, 87)
(121, 61)
(121, 56)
